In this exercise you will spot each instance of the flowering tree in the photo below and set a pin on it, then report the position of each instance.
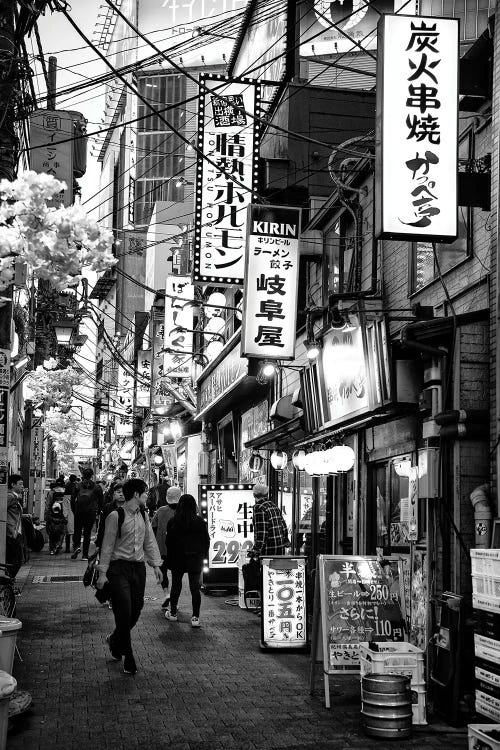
(55, 242)
(63, 429)
(53, 387)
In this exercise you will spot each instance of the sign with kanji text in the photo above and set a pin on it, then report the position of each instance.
(51, 148)
(271, 283)
(226, 176)
(284, 616)
(179, 320)
(143, 390)
(228, 511)
(417, 128)
(125, 401)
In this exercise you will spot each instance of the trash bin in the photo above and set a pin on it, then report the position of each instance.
(8, 634)
(386, 706)
(7, 686)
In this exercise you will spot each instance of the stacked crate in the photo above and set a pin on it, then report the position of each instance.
(398, 658)
(486, 603)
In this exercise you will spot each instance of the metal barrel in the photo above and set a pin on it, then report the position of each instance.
(386, 706)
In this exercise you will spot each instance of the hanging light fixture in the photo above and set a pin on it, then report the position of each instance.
(217, 302)
(279, 460)
(313, 347)
(256, 462)
(343, 457)
(298, 458)
(213, 349)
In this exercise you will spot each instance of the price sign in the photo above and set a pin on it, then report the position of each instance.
(228, 511)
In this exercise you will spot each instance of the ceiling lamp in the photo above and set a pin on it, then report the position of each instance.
(298, 459)
(217, 302)
(279, 460)
(343, 457)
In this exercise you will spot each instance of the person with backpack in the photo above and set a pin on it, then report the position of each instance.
(87, 501)
(117, 501)
(56, 528)
(159, 522)
(128, 543)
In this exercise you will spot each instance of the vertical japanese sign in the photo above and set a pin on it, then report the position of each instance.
(417, 128)
(271, 282)
(125, 400)
(143, 392)
(178, 326)
(4, 434)
(51, 147)
(161, 399)
(226, 176)
(228, 511)
(284, 619)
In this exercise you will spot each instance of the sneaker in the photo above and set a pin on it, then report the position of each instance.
(51, 551)
(114, 654)
(170, 616)
(75, 554)
(166, 603)
(85, 557)
(195, 622)
(129, 665)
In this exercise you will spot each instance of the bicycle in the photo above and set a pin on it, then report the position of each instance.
(7, 594)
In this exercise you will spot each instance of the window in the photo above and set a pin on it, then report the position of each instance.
(423, 267)
(473, 14)
(343, 255)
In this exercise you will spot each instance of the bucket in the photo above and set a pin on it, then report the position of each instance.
(8, 635)
(386, 706)
(7, 686)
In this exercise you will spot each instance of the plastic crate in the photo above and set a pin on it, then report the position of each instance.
(480, 740)
(485, 562)
(393, 658)
(487, 705)
(418, 704)
(488, 603)
(487, 648)
(486, 584)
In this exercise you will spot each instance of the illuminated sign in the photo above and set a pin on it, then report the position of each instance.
(179, 321)
(271, 283)
(284, 618)
(143, 391)
(417, 128)
(220, 381)
(228, 136)
(228, 511)
(124, 401)
(161, 398)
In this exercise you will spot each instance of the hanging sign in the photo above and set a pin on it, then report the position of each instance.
(179, 321)
(226, 176)
(125, 400)
(417, 128)
(284, 617)
(143, 392)
(271, 283)
(51, 148)
(161, 398)
(358, 599)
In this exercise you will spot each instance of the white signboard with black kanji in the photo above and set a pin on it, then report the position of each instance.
(284, 616)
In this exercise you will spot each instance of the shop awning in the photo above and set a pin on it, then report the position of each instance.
(284, 436)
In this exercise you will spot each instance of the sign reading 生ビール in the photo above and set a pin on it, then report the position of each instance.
(271, 282)
(228, 511)
(417, 117)
(226, 177)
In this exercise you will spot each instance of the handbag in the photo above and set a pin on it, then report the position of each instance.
(91, 573)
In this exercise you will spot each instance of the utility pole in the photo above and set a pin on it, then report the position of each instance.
(9, 84)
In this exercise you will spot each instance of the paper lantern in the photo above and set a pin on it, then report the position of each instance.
(298, 458)
(311, 462)
(255, 462)
(213, 349)
(214, 325)
(216, 298)
(343, 457)
(279, 460)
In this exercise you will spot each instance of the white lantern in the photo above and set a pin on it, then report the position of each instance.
(310, 462)
(320, 466)
(213, 349)
(214, 325)
(298, 458)
(330, 462)
(344, 457)
(279, 460)
(218, 299)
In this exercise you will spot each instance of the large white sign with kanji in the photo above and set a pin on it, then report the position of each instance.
(284, 620)
(271, 283)
(178, 327)
(125, 403)
(228, 511)
(417, 127)
(226, 177)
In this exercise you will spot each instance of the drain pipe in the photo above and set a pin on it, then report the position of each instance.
(483, 515)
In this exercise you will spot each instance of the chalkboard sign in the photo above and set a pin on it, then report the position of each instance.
(356, 599)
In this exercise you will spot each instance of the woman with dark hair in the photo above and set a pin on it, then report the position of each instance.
(187, 546)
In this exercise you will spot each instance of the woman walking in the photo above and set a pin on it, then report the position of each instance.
(187, 546)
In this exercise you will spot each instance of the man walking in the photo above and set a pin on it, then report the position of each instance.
(159, 524)
(269, 527)
(87, 501)
(14, 537)
(125, 549)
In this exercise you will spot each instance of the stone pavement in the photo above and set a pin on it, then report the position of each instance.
(206, 689)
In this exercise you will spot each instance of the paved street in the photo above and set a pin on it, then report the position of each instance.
(195, 690)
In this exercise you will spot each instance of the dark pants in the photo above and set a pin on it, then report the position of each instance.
(83, 522)
(164, 573)
(55, 540)
(127, 581)
(194, 586)
(13, 554)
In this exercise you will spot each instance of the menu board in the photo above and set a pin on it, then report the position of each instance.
(284, 615)
(228, 511)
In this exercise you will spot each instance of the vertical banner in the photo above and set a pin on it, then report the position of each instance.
(48, 152)
(179, 321)
(4, 442)
(271, 283)
(143, 391)
(284, 617)
(226, 176)
(161, 399)
(125, 400)
(417, 128)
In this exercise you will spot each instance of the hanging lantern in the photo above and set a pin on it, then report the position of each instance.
(256, 462)
(279, 460)
(319, 463)
(344, 457)
(310, 463)
(330, 462)
(298, 458)
(213, 349)
(216, 298)
(214, 325)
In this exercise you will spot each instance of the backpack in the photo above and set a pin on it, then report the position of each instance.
(34, 537)
(86, 500)
(121, 518)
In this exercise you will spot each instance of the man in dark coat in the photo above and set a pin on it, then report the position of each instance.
(87, 502)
